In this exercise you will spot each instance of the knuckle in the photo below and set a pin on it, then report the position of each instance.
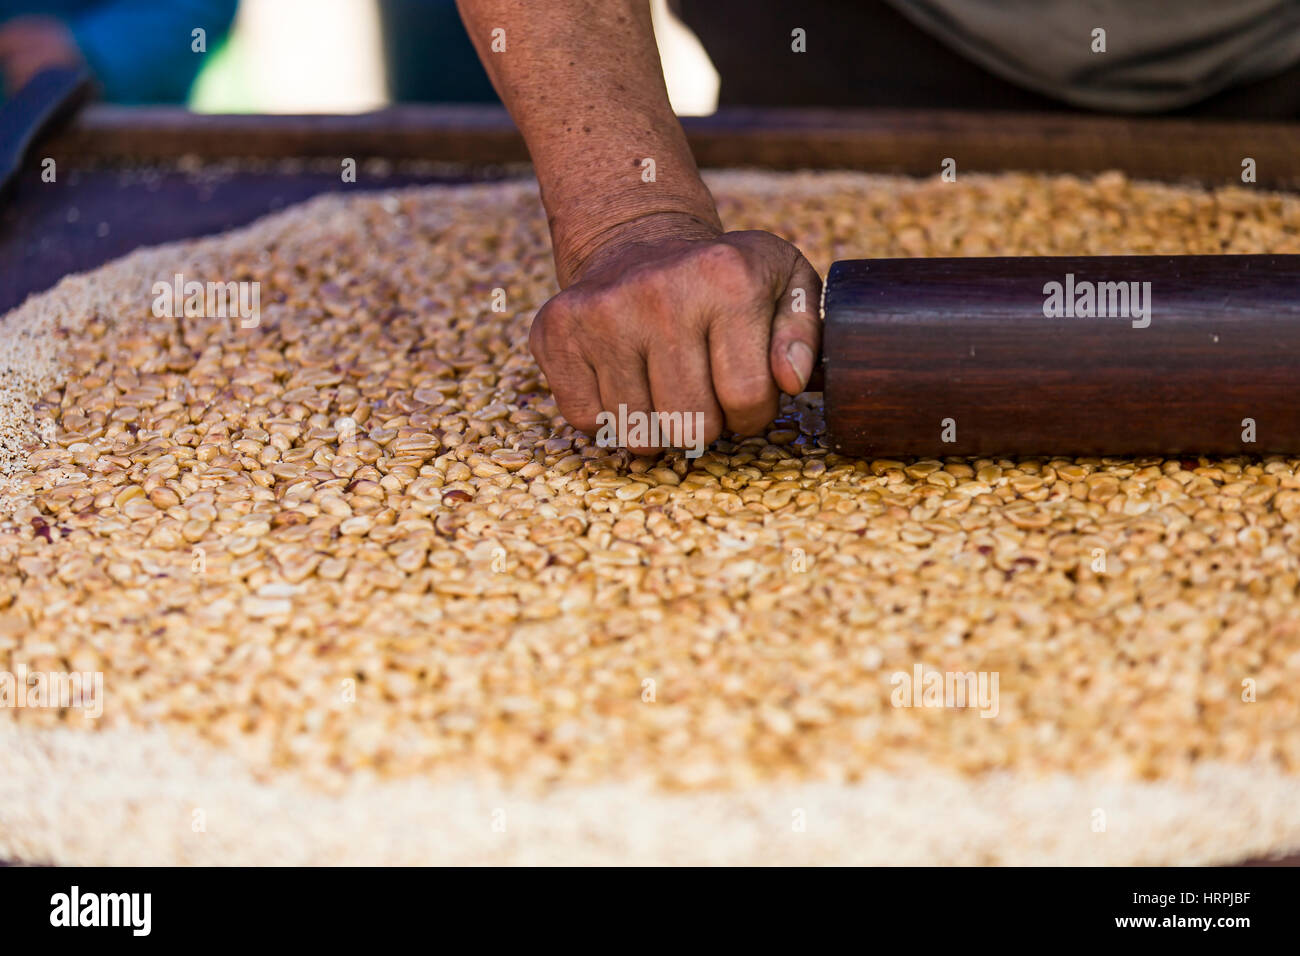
(559, 312)
(742, 394)
(724, 259)
(537, 341)
(750, 402)
(550, 323)
(712, 427)
(732, 273)
(751, 418)
(580, 413)
(642, 292)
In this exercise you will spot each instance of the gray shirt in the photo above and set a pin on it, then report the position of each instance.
(1159, 54)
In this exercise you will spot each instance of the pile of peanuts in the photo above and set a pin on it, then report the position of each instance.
(359, 537)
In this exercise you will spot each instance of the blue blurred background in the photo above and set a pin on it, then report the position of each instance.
(274, 56)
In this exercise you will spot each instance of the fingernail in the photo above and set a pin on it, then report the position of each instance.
(800, 357)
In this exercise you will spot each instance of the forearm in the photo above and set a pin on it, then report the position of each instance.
(583, 81)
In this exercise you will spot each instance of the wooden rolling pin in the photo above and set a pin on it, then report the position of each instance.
(1074, 356)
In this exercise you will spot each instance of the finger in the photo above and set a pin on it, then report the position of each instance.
(742, 373)
(625, 393)
(797, 329)
(681, 383)
(570, 376)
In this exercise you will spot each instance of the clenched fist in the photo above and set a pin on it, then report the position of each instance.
(715, 325)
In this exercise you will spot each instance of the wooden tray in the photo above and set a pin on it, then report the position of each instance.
(129, 177)
(878, 140)
(97, 211)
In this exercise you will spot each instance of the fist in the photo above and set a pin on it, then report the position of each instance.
(712, 329)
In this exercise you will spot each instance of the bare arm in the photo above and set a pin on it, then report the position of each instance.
(662, 309)
(582, 80)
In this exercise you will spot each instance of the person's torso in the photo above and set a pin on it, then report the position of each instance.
(1138, 55)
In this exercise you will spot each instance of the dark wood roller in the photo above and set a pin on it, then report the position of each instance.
(919, 351)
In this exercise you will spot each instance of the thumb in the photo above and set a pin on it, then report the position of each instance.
(797, 329)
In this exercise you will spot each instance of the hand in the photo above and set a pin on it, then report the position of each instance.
(713, 323)
(31, 44)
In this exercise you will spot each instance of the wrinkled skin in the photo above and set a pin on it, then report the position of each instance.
(718, 325)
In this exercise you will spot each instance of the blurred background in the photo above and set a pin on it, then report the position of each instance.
(342, 56)
(263, 57)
